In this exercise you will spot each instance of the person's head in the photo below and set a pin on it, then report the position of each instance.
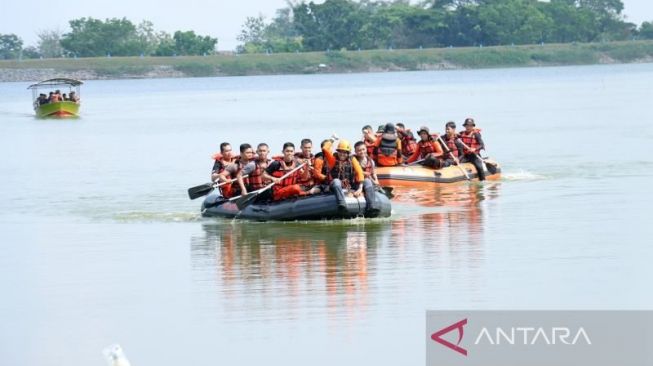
(324, 142)
(360, 149)
(225, 150)
(450, 128)
(389, 128)
(262, 150)
(401, 127)
(72, 93)
(307, 146)
(424, 133)
(246, 152)
(469, 124)
(367, 129)
(343, 150)
(288, 152)
(380, 129)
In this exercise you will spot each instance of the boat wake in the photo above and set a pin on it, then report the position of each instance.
(143, 216)
(521, 175)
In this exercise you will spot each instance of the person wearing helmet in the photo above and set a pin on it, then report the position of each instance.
(408, 143)
(388, 147)
(428, 150)
(472, 145)
(345, 173)
(287, 187)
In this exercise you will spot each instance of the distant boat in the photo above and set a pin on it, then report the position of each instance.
(67, 106)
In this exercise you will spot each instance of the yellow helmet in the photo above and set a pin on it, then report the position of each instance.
(344, 145)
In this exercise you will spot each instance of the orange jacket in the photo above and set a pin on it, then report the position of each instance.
(331, 162)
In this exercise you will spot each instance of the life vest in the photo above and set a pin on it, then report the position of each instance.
(344, 171)
(219, 165)
(387, 152)
(450, 143)
(310, 181)
(255, 179)
(425, 148)
(368, 168)
(408, 144)
(370, 146)
(470, 139)
(287, 181)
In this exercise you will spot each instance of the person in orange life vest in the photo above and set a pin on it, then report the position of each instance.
(408, 143)
(256, 179)
(427, 149)
(320, 168)
(451, 144)
(472, 145)
(367, 164)
(369, 138)
(222, 159)
(241, 166)
(306, 156)
(288, 187)
(345, 173)
(388, 147)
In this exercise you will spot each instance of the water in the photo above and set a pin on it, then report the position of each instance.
(100, 244)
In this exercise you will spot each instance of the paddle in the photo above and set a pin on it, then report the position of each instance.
(455, 159)
(244, 200)
(204, 189)
(416, 162)
(485, 164)
(388, 191)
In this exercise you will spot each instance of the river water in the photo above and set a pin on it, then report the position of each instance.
(101, 245)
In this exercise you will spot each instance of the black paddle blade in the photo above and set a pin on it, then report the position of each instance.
(199, 191)
(245, 200)
(388, 191)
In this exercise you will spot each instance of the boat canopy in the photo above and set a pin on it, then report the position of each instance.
(55, 82)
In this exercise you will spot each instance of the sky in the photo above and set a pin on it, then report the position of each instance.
(221, 19)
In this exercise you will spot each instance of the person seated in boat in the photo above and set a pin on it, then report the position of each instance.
(64, 97)
(42, 99)
(428, 151)
(237, 170)
(256, 179)
(319, 168)
(451, 145)
(408, 143)
(306, 156)
(367, 164)
(73, 97)
(472, 143)
(345, 173)
(369, 138)
(221, 160)
(289, 186)
(50, 96)
(388, 147)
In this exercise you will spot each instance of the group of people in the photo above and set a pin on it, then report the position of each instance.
(56, 96)
(338, 169)
(396, 145)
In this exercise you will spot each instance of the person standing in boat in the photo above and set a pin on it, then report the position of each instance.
(288, 187)
(388, 147)
(472, 143)
(452, 144)
(408, 143)
(236, 170)
(367, 164)
(221, 160)
(345, 173)
(428, 150)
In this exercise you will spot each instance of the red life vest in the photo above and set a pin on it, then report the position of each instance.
(450, 145)
(311, 159)
(370, 146)
(289, 180)
(470, 139)
(256, 177)
(219, 165)
(368, 168)
(425, 148)
(408, 144)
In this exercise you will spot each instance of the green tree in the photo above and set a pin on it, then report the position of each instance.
(334, 25)
(93, 37)
(31, 52)
(646, 30)
(49, 44)
(188, 43)
(10, 46)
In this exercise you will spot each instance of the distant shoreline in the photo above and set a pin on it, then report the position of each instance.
(328, 62)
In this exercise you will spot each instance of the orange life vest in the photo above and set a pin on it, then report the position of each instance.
(469, 139)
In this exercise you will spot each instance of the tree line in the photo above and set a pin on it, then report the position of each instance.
(91, 37)
(351, 25)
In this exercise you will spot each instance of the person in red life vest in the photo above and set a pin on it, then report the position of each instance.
(451, 144)
(288, 187)
(237, 169)
(367, 164)
(369, 138)
(408, 143)
(345, 173)
(427, 150)
(306, 156)
(222, 159)
(256, 179)
(388, 147)
(472, 145)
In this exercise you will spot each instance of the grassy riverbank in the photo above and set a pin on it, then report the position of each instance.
(329, 62)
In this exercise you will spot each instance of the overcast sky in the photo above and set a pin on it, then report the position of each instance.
(221, 19)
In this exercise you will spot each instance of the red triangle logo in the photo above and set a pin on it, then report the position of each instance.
(437, 336)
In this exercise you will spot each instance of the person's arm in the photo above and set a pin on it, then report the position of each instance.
(317, 170)
(437, 149)
(413, 158)
(479, 139)
(328, 155)
(400, 157)
(246, 170)
(214, 171)
(226, 174)
(460, 147)
(272, 167)
(375, 179)
(359, 176)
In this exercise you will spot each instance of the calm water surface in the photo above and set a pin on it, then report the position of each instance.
(100, 243)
